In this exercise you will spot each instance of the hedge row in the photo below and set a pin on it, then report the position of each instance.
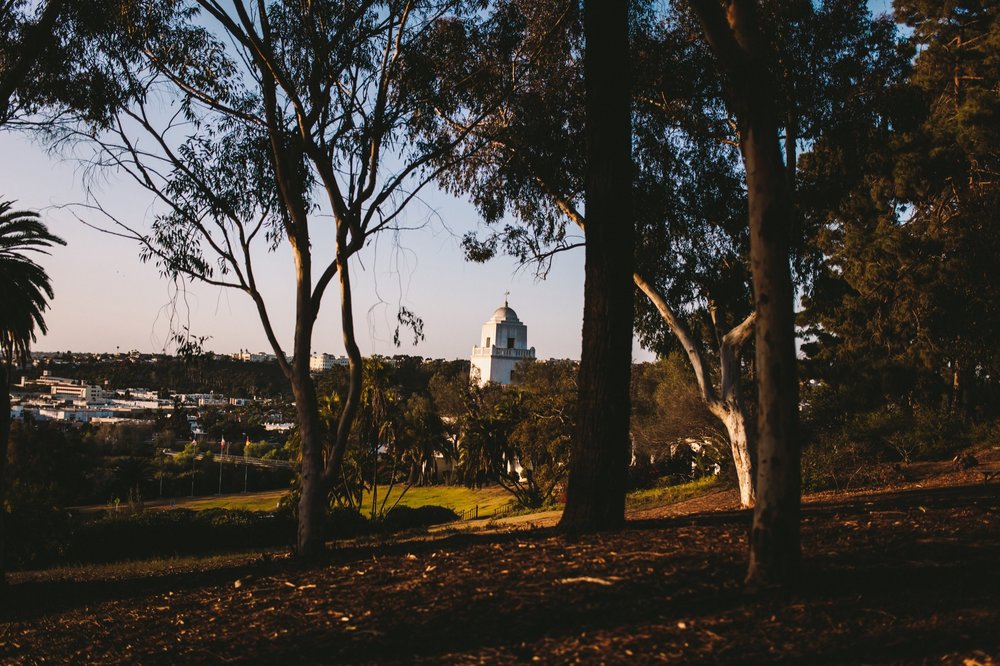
(182, 532)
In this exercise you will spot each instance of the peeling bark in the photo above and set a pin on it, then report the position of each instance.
(727, 404)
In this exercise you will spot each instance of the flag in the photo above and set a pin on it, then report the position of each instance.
(222, 444)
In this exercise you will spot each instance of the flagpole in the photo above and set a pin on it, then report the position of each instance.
(246, 448)
(222, 449)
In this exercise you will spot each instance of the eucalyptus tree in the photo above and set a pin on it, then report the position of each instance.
(22, 39)
(687, 189)
(692, 249)
(268, 124)
(53, 64)
(596, 483)
(736, 33)
(690, 207)
(25, 292)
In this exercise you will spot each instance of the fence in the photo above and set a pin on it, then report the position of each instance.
(473, 513)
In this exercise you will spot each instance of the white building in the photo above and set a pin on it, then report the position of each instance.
(82, 393)
(258, 357)
(323, 362)
(82, 414)
(212, 399)
(503, 343)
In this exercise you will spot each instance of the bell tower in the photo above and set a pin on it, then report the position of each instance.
(503, 342)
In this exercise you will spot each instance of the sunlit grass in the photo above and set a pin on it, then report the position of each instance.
(149, 567)
(672, 494)
(250, 502)
(457, 498)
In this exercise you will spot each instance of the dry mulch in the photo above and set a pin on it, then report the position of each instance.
(911, 576)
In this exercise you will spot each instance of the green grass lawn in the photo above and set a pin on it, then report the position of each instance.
(671, 494)
(259, 501)
(457, 498)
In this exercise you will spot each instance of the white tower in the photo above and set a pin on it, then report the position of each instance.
(504, 342)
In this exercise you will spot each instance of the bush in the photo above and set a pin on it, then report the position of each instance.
(861, 450)
(344, 522)
(35, 535)
(176, 532)
(930, 436)
(837, 465)
(405, 517)
(643, 474)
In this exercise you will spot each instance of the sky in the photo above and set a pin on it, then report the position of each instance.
(107, 300)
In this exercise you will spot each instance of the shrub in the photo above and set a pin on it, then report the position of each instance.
(838, 465)
(932, 436)
(176, 532)
(405, 517)
(343, 522)
(35, 534)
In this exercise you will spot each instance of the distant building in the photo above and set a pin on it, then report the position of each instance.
(203, 399)
(72, 390)
(323, 362)
(81, 415)
(504, 342)
(254, 357)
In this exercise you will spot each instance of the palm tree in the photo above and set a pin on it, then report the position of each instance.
(25, 292)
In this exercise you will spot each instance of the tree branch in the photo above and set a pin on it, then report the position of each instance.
(680, 331)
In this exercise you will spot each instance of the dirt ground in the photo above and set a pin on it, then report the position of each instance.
(910, 574)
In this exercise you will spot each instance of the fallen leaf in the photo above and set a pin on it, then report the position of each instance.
(585, 579)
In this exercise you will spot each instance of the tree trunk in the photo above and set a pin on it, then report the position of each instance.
(311, 539)
(736, 39)
(774, 540)
(355, 366)
(729, 408)
(735, 420)
(733, 413)
(962, 400)
(595, 497)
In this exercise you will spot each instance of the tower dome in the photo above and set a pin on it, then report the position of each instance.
(504, 342)
(504, 313)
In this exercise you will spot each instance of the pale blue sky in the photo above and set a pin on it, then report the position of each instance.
(107, 300)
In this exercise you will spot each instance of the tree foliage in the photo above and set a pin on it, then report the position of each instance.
(55, 63)
(291, 125)
(905, 303)
(25, 292)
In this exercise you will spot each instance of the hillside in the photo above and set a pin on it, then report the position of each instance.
(903, 575)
